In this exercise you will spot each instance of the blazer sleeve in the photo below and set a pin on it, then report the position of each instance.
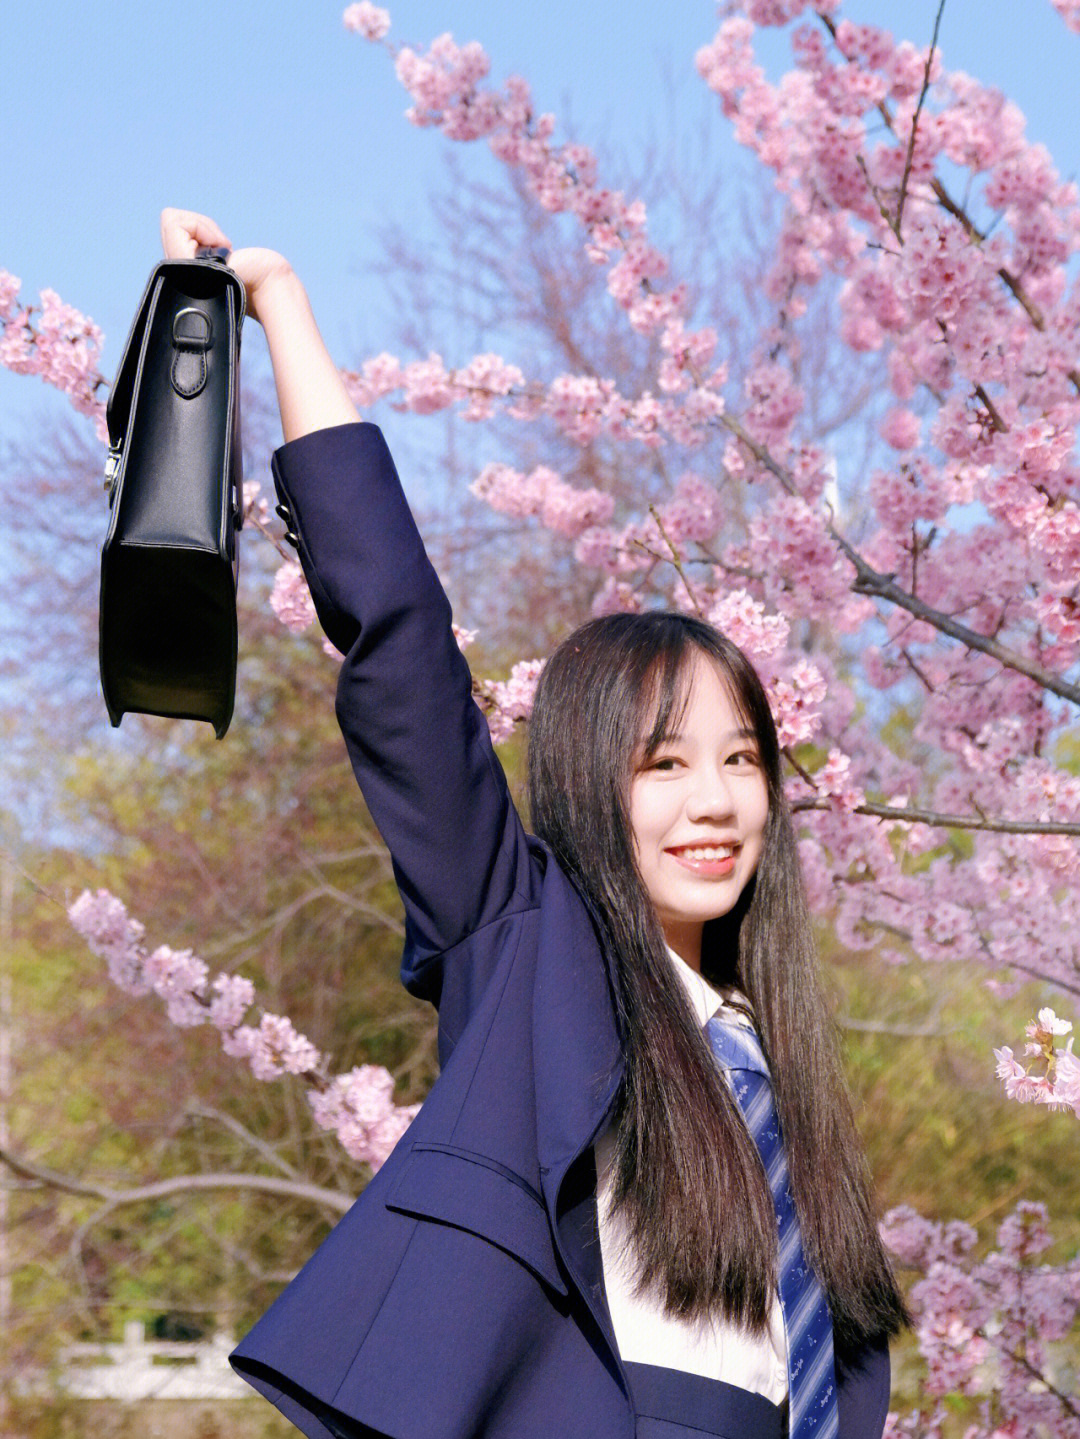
(418, 743)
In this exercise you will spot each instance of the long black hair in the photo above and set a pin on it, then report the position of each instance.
(687, 1176)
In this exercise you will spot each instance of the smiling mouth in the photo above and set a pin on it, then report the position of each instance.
(706, 861)
(704, 853)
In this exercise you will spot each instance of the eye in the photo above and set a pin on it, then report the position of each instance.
(744, 757)
(665, 763)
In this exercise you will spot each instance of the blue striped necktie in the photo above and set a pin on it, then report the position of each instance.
(811, 1374)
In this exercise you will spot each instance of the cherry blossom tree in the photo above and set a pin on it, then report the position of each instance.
(979, 334)
(936, 586)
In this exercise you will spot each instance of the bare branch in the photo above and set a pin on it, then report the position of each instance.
(179, 1184)
(897, 1031)
(268, 1152)
(1039, 974)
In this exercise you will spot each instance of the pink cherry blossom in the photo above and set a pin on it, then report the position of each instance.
(428, 385)
(386, 1132)
(508, 702)
(290, 598)
(1067, 1080)
(745, 622)
(1052, 1075)
(233, 995)
(366, 19)
(276, 1048)
(179, 978)
(834, 779)
(795, 699)
(358, 1107)
(378, 376)
(900, 429)
(103, 922)
(63, 347)
(544, 493)
(1069, 10)
(983, 1321)
(1019, 1084)
(1047, 1023)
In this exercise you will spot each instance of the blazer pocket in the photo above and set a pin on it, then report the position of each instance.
(472, 1192)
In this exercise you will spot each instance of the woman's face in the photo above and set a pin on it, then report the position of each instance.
(698, 807)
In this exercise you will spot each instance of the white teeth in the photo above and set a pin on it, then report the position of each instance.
(712, 851)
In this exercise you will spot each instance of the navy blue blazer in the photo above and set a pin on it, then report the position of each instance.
(462, 1295)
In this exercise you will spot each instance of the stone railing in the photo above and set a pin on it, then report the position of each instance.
(141, 1368)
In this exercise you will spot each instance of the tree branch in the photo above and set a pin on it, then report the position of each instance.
(946, 821)
(202, 1111)
(898, 1031)
(915, 122)
(957, 211)
(675, 559)
(179, 1184)
(1018, 1356)
(869, 581)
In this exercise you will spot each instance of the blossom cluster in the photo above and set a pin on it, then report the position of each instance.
(1069, 10)
(357, 1107)
(507, 703)
(290, 598)
(1052, 1074)
(950, 236)
(61, 346)
(545, 494)
(371, 21)
(987, 1326)
(581, 407)
(446, 84)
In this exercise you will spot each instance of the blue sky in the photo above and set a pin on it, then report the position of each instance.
(289, 130)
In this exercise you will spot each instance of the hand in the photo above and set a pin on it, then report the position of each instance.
(184, 231)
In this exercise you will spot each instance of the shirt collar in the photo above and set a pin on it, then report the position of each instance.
(704, 1000)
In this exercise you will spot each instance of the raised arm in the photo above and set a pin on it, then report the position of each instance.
(417, 741)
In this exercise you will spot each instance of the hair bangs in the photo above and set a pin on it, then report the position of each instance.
(665, 693)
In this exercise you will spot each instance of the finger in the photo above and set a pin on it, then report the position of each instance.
(183, 231)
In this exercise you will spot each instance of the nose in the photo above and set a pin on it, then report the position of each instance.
(712, 797)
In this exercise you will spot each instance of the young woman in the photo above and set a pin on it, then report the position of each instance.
(634, 1202)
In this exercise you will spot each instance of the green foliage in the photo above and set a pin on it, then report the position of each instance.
(940, 1133)
(258, 854)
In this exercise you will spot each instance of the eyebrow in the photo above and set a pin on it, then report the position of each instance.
(678, 737)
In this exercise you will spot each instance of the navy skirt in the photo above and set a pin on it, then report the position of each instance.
(671, 1404)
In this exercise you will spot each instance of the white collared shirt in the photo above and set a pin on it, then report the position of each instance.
(645, 1334)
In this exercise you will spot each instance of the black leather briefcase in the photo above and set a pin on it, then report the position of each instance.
(167, 634)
